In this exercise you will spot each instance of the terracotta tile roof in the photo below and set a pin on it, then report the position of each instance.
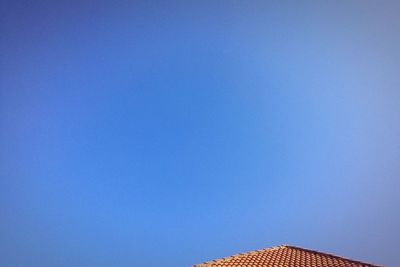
(285, 256)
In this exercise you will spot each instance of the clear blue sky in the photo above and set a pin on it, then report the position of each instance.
(153, 134)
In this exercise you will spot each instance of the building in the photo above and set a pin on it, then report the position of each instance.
(285, 256)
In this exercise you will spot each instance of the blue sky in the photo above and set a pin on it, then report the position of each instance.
(167, 134)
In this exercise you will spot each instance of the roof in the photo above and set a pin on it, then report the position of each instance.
(285, 256)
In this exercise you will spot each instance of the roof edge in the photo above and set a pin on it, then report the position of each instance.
(238, 254)
(204, 264)
(333, 255)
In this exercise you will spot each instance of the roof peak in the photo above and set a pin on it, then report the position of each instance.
(286, 246)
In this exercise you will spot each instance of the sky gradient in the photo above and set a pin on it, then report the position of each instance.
(153, 134)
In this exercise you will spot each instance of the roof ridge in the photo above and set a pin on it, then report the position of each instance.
(240, 254)
(204, 264)
(332, 255)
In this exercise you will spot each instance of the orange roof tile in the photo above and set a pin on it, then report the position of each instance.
(285, 256)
